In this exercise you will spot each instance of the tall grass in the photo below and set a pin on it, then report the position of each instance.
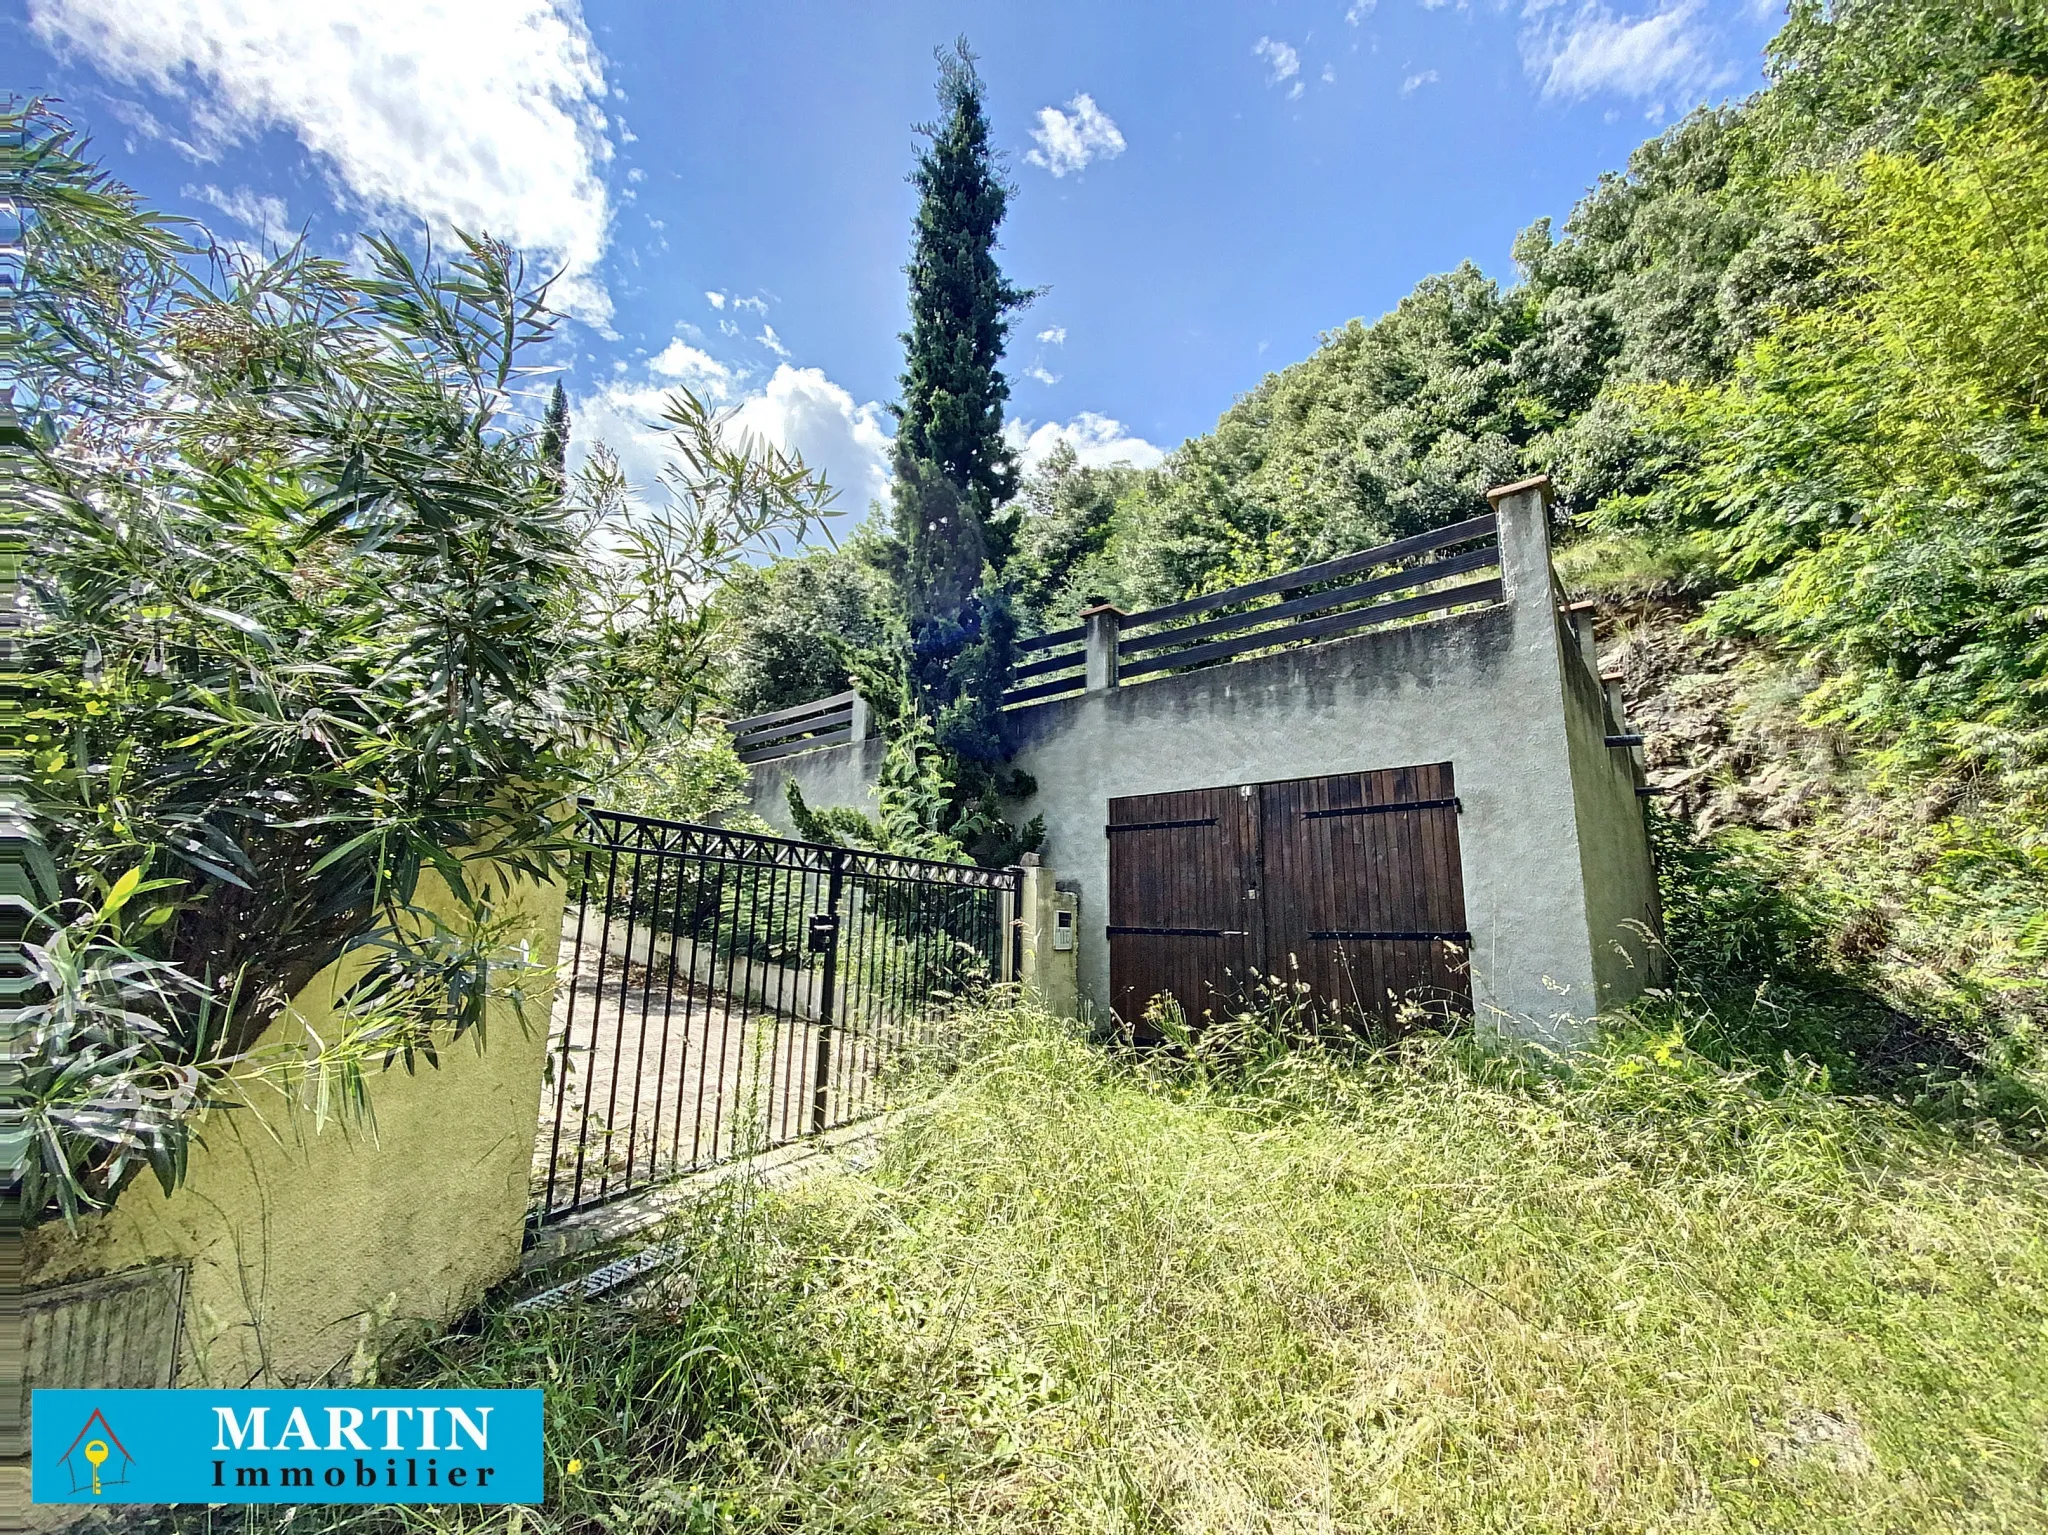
(1313, 1288)
(1775, 975)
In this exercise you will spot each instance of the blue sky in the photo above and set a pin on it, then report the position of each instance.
(1202, 187)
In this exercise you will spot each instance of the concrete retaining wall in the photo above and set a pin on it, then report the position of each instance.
(1558, 880)
(831, 775)
(778, 988)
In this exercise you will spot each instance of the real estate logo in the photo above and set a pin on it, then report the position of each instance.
(97, 1459)
(260, 1446)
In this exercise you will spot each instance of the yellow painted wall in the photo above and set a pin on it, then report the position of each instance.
(299, 1239)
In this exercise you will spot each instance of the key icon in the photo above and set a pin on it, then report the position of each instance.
(96, 1452)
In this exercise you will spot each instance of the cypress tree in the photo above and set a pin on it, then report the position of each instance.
(554, 437)
(954, 474)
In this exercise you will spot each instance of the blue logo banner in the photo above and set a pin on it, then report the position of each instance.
(361, 1446)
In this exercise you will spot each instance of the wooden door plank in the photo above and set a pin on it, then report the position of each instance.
(1182, 870)
(1392, 871)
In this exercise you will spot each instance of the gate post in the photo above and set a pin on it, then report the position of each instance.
(828, 983)
(1010, 923)
(1104, 627)
(1052, 923)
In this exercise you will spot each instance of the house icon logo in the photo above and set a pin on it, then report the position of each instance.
(97, 1459)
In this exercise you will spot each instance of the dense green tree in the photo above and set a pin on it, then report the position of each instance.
(1388, 429)
(936, 679)
(554, 435)
(791, 627)
(1851, 75)
(1066, 514)
(1874, 475)
(954, 472)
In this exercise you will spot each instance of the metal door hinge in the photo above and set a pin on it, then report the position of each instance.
(1357, 935)
(1206, 820)
(1410, 804)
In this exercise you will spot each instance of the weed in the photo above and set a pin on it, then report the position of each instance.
(1412, 1287)
(1770, 980)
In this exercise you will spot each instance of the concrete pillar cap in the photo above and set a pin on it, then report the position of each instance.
(1539, 482)
(1103, 607)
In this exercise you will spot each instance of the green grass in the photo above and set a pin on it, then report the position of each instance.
(1793, 967)
(1297, 1290)
(1636, 565)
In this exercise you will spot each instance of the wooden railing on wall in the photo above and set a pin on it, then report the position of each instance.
(1452, 568)
(1067, 654)
(778, 733)
(1316, 602)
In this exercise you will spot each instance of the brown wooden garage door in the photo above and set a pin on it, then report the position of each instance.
(1349, 883)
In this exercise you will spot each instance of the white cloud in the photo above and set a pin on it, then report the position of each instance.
(758, 305)
(799, 409)
(715, 300)
(478, 114)
(1068, 140)
(705, 375)
(1282, 61)
(1054, 335)
(134, 114)
(803, 411)
(1043, 374)
(773, 342)
(1360, 9)
(1097, 440)
(1667, 52)
(622, 415)
(1417, 81)
(1329, 74)
(266, 215)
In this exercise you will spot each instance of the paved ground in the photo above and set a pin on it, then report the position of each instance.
(671, 1078)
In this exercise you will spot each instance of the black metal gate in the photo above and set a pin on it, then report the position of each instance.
(721, 993)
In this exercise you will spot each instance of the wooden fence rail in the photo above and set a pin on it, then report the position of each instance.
(1158, 639)
(1316, 602)
(780, 732)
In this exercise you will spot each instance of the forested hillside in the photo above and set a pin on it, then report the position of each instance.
(1787, 373)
